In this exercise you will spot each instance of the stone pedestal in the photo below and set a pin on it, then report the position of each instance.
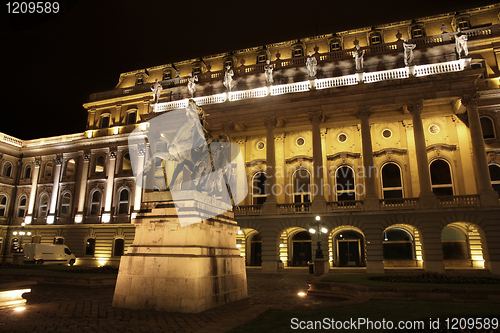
(181, 269)
(375, 267)
(321, 266)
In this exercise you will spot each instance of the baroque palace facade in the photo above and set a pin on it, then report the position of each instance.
(401, 162)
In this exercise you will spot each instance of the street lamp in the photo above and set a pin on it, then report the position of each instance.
(318, 228)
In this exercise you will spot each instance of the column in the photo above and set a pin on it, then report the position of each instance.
(269, 250)
(280, 171)
(319, 202)
(484, 189)
(110, 173)
(270, 204)
(141, 151)
(82, 187)
(34, 183)
(373, 232)
(432, 246)
(55, 190)
(241, 176)
(371, 201)
(427, 197)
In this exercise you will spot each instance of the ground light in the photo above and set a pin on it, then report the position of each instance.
(301, 294)
(19, 309)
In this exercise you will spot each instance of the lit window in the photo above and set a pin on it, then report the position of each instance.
(345, 187)
(95, 203)
(27, 172)
(90, 247)
(99, 164)
(123, 202)
(131, 117)
(43, 205)
(47, 171)
(301, 186)
(119, 247)
(495, 176)
(105, 121)
(70, 167)
(488, 128)
(7, 170)
(66, 204)
(3, 205)
(259, 188)
(126, 163)
(21, 206)
(391, 181)
(441, 178)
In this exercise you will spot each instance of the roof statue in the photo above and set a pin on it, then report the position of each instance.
(192, 84)
(461, 44)
(408, 52)
(268, 71)
(228, 78)
(358, 54)
(311, 65)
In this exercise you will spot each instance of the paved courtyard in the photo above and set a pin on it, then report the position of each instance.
(78, 309)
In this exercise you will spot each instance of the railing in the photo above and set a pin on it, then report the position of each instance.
(294, 208)
(248, 210)
(403, 203)
(391, 74)
(427, 40)
(458, 201)
(331, 82)
(348, 205)
(290, 88)
(11, 140)
(245, 94)
(440, 68)
(212, 99)
(161, 107)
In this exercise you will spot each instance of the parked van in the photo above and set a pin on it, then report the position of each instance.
(35, 253)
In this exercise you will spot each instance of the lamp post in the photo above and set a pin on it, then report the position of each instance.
(318, 228)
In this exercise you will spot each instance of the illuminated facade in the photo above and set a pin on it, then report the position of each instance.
(400, 162)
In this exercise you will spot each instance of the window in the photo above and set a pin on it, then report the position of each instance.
(298, 52)
(66, 204)
(454, 243)
(463, 25)
(495, 177)
(131, 117)
(228, 63)
(95, 203)
(119, 247)
(105, 121)
(126, 163)
(335, 45)
(59, 240)
(345, 188)
(21, 206)
(90, 247)
(398, 244)
(375, 39)
(261, 58)
(7, 169)
(27, 172)
(417, 32)
(123, 202)
(3, 205)
(259, 188)
(139, 81)
(70, 167)
(487, 127)
(196, 70)
(301, 186)
(42, 205)
(47, 171)
(391, 181)
(167, 75)
(441, 178)
(99, 164)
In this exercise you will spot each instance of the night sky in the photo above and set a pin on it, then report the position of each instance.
(51, 63)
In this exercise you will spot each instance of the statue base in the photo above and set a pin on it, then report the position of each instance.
(181, 269)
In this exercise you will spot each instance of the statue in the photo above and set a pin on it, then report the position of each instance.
(156, 87)
(443, 28)
(461, 44)
(268, 70)
(311, 65)
(191, 84)
(408, 52)
(358, 54)
(228, 78)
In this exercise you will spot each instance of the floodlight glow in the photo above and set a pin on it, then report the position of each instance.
(27, 219)
(324, 230)
(78, 218)
(19, 309)
(301, 294)
(50, 219)
(312, 231)
(106, 218)
(318, 218)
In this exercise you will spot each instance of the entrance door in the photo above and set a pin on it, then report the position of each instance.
(348, 252)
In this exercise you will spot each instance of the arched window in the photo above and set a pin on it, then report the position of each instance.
(99, 164)
(488, 128)
(441, 178)
(105, 121)
(70, 167)
(126, 164)
(43, 204)
(3, 205)
(27, 172)
(21, 206)
(119, 247)
(123, 201)
(259, 188)
(58, 240)
(66, 204)
(495, 176)
(301, 186)
(47, 171)
(7, 170)
(90, 247)
(345, 187)
(301, 249)
(454, 244)
(398, 244)
(131, 117)
(95, 203)
(392, 186)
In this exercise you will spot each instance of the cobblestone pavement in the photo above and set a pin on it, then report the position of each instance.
(78, 309)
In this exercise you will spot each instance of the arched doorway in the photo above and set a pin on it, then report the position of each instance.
(301, 249)
(349, 248)
(255, 250)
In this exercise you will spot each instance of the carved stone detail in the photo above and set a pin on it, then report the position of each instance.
(228, 127)
(86, 157)
(363, 112)
(59, 159)
(469, 100)
(38, 161)
(415, 106)
(270, 122)
(316, 117)
(112, 153)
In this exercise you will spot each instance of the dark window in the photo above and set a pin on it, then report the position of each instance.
(441, 178)
(99, 164)
(488, 128)
(334, 46)
(139, 81)
(375, 39)
(261, 58)
(123, 202)
(463, 25)
(196, 70)
(95, 203)
(60, 240)
(495, 177)
(345, 186)
(90, 247)
(297, 53)
(21, 207)
(27, 172)
(66, 250)
(105, 122)
(131, 117)
(398, 244)
(167, 75)
(3, 204)
(7, 170)
(417, 33)
(119, 247)
(259, 188)
(391, 181)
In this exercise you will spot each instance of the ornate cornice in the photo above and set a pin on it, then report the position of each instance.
(389, 151)
(298, 158)
(255, 162)
(415, 106)
(363, 112)
(442, 146)
(270, 123)
(469, 100)
(343, 155)
(38, 161)
(86, 157)
(316, 117)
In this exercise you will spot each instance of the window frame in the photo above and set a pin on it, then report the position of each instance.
(41, 205)
(345, 191)
(121, 202)
(258, 197)
(433, 186)
(26, 167)
(5, 206)
(115, 248)
(65, 205)
(23, 207)
(96, 165)
(92, 203)
(87, 243)
(66, 167)
(492, 123)
(7, 169)
(401, 188)
(303, 195)
(101, 120)
(47, 164)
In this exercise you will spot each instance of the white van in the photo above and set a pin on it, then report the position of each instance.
(48, 254)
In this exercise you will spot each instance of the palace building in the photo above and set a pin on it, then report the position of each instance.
(399, 160)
